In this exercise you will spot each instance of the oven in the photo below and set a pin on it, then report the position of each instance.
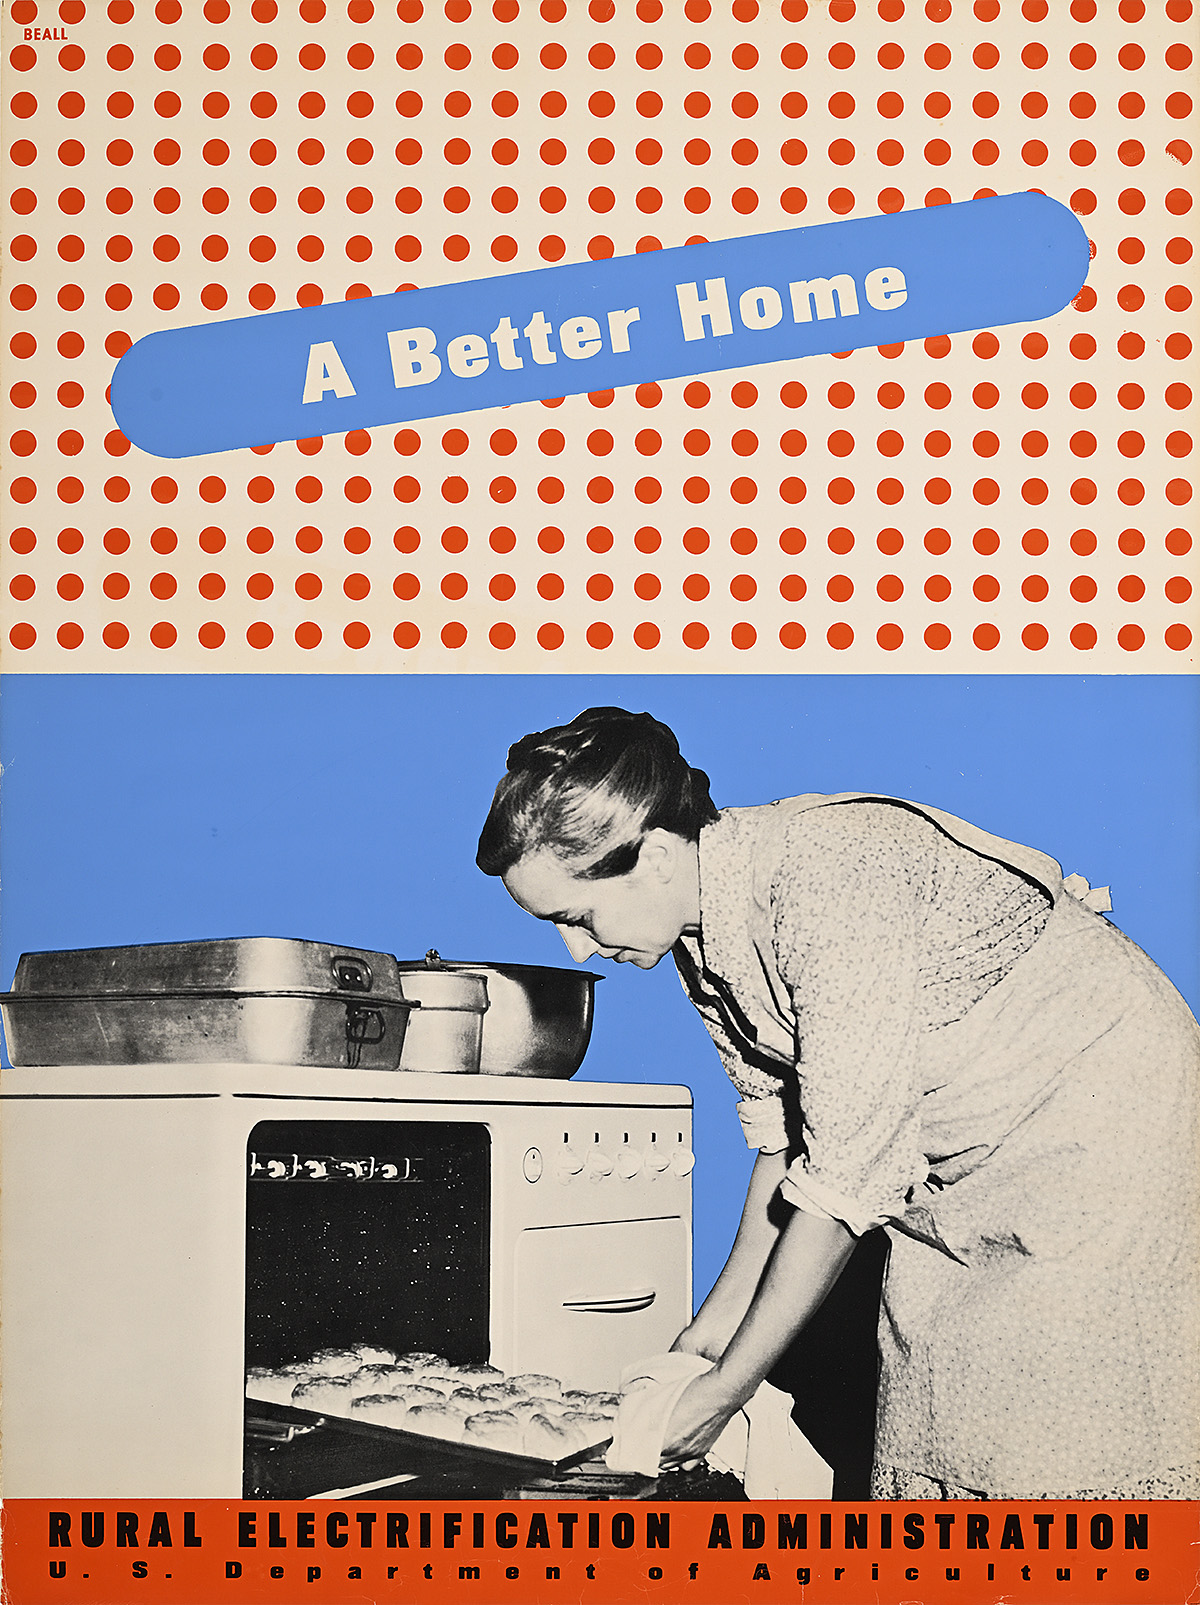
(166, 1227)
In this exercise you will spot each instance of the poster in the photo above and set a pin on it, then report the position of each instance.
(270, 686)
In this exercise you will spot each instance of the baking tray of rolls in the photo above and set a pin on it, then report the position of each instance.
(422, 1445)
(420, 1403)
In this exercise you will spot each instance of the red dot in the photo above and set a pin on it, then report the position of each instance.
(406, 636)
(550, 637)
(1178, 542)
(986, 637)
(695, 636)
(599, 635)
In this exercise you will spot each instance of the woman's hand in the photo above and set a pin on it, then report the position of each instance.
(698, 1420)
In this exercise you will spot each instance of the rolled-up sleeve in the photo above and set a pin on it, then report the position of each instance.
(847, 914)
(763, 1123)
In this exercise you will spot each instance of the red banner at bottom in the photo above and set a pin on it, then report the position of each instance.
(218, 1552)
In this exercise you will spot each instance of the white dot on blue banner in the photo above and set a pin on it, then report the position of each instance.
(591, 326)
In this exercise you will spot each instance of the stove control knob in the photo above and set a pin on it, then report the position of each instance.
(682, 1161)
(531, 1165)
(599, 1164)
(569, 1164)
(629, 1162)
(656, 1160)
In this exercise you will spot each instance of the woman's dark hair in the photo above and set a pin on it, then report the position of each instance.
(589, 791)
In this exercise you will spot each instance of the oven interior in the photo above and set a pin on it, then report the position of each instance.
(367, 1232)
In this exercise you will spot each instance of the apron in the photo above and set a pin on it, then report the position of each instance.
(1037, 1331)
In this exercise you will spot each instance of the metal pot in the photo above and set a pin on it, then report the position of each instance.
(538, 1020)
(450, 1033)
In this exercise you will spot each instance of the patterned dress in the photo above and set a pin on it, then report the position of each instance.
(951, 1045)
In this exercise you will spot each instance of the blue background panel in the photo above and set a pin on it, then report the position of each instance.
(346, 809)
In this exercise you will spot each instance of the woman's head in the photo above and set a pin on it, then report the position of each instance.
(590, 791)
(594, 827)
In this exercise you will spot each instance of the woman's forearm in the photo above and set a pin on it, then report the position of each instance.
(757, 1235)
(810, 1253)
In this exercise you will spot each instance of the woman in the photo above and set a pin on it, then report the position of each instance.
(931, 1033)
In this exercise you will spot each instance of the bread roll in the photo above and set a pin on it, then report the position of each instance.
(494, 1429)
(585, 1428)
(475, 1375)
(546, 1439)
(324, 1393)
(374, 1354)
(526, 1409)
(604, 1404)
(274, 1385)
(386, 1409)
(500, 1392)
(335, 1362)
(380, 1378)
(437, 1380)
(535, 1386)
(436, 1420)
(414, 1393)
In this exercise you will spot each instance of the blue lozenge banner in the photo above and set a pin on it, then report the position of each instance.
(590, 326)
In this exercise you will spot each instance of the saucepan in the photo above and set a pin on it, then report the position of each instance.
(535, 1019)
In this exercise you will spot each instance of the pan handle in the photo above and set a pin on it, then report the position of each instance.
(619, 1304)
(362, 1025)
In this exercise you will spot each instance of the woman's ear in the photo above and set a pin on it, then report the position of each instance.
(659, 855)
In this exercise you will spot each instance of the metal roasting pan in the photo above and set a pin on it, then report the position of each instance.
(220, 964)
(233, 1000)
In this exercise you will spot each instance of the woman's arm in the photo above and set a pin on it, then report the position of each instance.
(721, 1313)
(809, 1256)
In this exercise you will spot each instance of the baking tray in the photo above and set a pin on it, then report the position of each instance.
(467, 1455)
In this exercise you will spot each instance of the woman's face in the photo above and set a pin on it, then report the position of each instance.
(634, 919)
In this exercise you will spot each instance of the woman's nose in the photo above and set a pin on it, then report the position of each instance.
(579, 944)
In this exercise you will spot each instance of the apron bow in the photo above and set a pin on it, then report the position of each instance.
(1094, 897)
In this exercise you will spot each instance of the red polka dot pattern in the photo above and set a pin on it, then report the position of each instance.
(1011, 500)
